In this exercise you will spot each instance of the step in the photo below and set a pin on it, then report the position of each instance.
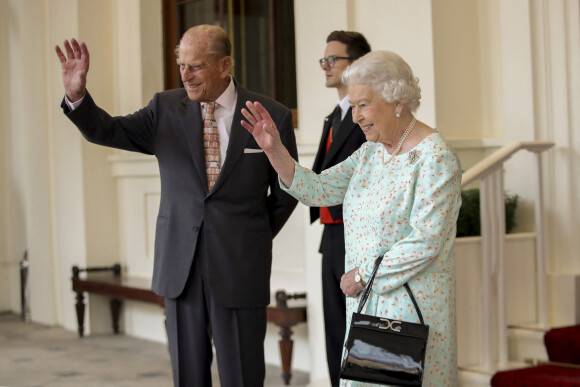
(477, 376)
(526, 342)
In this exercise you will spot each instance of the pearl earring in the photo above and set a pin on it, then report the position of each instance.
(398, 115)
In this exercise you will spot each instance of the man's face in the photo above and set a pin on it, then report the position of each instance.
(333, 74)
(204, 76)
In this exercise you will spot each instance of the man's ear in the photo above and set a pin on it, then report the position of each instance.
(225, 66)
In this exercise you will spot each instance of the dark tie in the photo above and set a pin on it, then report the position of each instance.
(335, 120)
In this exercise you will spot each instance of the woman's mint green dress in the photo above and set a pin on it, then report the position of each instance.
(405, 210)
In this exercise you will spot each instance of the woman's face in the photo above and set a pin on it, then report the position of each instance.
(374, 115)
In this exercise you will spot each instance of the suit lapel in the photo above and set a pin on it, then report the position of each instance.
(320, 155)
(193, 126)
(344, 131)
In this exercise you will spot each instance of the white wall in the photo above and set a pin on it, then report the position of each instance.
(28, 186)
(509, 70)
(385, 24)
(556, 38)
(7, 260)
(556, 57)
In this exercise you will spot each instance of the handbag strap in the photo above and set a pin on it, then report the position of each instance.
(369, 285)
(408, 289)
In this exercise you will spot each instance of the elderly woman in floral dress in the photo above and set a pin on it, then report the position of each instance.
(401, 195)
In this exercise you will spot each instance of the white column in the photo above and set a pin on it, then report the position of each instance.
(29, 197)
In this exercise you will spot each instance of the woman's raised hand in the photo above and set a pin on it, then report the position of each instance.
(261, 126)
(75, 66)
(264, 130)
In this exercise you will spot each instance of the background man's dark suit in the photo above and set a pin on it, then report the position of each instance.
(234, 222)
(347, 139)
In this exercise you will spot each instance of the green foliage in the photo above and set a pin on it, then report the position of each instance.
(468, 222)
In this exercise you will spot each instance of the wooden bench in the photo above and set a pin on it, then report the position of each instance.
(108, 281)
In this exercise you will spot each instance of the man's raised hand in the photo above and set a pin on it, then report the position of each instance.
(75, 66)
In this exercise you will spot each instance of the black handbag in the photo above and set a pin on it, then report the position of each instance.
(384, 351)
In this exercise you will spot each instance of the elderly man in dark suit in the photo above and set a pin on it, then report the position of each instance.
(221, 204)
(340, 138)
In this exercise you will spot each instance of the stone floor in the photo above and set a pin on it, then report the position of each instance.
(34, 355)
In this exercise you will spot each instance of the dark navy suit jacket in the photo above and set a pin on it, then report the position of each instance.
(348, 139)
(240, 215)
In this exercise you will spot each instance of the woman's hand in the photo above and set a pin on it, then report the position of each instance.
(349, 286)
(264, 130)
(261, 125)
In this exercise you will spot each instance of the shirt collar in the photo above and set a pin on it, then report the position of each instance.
(344, 105)
(228, 98)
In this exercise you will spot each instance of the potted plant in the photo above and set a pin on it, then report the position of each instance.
(468, 221)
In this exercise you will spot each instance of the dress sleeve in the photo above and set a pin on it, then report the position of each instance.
(431, 228)
(281, 205)
(327, 188)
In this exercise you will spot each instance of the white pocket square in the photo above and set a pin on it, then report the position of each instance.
(252, 150)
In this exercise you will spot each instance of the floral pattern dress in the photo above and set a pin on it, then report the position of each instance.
(404, 208)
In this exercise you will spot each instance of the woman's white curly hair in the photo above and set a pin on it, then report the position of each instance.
(389, 75)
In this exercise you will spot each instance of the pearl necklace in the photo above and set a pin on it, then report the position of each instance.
(403, 137)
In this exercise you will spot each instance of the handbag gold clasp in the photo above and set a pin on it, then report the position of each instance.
(390, 324)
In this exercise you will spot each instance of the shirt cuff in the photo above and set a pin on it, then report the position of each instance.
(73, 105)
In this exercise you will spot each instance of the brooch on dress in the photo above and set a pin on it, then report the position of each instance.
(414, 156)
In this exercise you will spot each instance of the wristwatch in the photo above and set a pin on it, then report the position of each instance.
(358, 279)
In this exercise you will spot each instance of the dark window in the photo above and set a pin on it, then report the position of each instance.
(262, 35)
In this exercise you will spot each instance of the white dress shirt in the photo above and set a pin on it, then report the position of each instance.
(344, 106)
(224, 114)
